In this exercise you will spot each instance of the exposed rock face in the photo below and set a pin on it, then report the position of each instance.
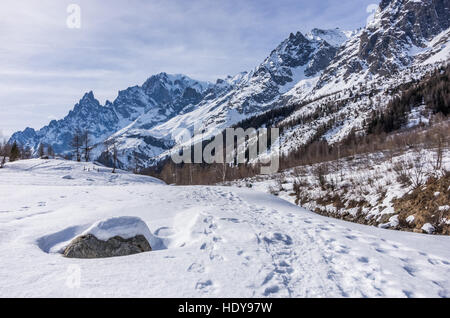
(400, 25)
(389, 42)
(88, 246)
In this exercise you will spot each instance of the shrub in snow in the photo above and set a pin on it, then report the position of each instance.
(428, 228)
(394, 221)
(410, 219)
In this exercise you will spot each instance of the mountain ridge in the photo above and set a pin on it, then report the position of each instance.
(403, 36)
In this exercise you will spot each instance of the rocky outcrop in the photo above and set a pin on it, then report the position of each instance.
(88, 246)
(389, 43)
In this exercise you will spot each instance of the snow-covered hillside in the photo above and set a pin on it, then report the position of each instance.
(367, 189)
(218, 242)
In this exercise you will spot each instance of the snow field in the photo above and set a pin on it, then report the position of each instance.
(219, 242)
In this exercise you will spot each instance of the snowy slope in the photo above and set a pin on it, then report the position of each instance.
(365, 195)
(218, 242)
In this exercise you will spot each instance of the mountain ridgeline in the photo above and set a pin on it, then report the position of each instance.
(323, 85)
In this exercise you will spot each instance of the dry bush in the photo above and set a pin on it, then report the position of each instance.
(418, 172)
(402, 171)
(424, 203)
(274, 190)
(320, 172)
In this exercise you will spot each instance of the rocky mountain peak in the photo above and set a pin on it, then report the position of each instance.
(385, 3)
(334, 37)
(400, 25)
(86, 103)
(389, 42)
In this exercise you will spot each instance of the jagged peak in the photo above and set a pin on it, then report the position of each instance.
(88, 96)
(295, 38)
(88, 100)
(29, 130)
(335, 37)
(174, 81)
(297, 35)
(169, 77)
(385, 3)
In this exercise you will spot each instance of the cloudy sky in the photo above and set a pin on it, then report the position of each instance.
(45, 66)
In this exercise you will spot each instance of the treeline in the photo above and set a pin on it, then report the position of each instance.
(318, 151)
(16, 152)
(433, 92)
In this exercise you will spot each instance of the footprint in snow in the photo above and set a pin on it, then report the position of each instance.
(364, 260)
(380, 250)
(408, 294)
(196, 268)
(204, 286)
(410, 270)
(278, 237)
(216, 257)
(232, 220)
(271, 290)
(268, 278)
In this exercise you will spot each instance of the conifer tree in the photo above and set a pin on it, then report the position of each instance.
(15, 152)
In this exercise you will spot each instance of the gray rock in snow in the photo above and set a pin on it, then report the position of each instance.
(88, 246)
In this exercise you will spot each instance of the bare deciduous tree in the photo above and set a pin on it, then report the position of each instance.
(41, 150)
(86, 145)
(111, 149)
(76, 145)
(50, 151)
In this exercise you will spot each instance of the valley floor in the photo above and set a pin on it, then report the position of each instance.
(218, 242)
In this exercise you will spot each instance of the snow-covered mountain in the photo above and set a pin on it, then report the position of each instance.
(231, 100)
(401, 34)
(405, 40)
(160, 98)
(87, 114)
(142, 118)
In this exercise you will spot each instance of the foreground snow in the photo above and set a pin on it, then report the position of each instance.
(216, 242)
